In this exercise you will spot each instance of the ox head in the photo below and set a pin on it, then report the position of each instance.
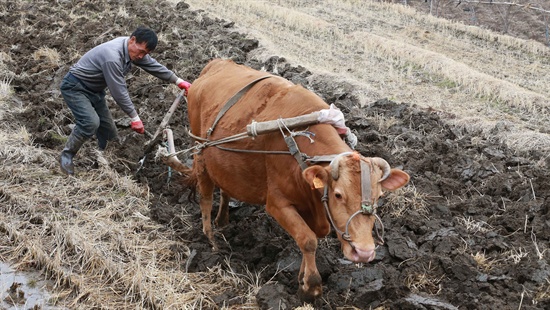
(352, 185)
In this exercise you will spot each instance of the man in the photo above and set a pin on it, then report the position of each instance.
(105, 66)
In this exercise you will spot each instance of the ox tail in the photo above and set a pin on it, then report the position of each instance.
(188, 178)
(190, 181)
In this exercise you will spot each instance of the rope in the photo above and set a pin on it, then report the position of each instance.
(281, 125)
(199, 146)
(254, 151)
(206, 142)
(253, 129)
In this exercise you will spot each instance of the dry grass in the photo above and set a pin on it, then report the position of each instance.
(405, 56)
(405, 200)
(6, 77)
(473, 226)
(122, 12)
(5, 89)
(48, 56)
(515, 255)
(483, 262)
(426, 281)
(92, 238)
(543, 293)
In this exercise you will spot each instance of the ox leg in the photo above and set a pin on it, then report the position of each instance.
(222, 219)
(309, 279)
(206, 189)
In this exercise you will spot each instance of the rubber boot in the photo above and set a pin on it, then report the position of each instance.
(71, 148)
(101, 144)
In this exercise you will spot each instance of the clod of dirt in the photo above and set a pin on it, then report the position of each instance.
(16, 296)
(274, 296)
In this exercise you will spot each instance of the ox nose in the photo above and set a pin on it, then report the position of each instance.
(364, 255)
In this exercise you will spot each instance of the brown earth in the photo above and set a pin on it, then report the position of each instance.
(471, 231)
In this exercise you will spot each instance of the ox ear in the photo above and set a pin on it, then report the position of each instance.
(316, 176)
(395, 180)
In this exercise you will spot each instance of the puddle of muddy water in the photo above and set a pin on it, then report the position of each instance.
(22, 290)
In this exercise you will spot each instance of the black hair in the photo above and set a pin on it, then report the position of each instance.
(144, 34)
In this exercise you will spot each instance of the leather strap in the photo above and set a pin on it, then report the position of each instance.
(294, 151)
(232, 101)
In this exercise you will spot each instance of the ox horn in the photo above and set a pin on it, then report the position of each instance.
(383, 164)
(335, 165)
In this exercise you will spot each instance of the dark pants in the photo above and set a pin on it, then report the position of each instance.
(90, 111)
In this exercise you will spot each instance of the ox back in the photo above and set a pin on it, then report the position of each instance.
(246, 176)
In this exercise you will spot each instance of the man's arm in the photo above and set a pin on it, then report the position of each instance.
(116, 83)
(153, 67)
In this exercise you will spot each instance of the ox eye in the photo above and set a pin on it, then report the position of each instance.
(338, 195)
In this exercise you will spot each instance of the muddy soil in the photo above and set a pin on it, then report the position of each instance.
(471, 231)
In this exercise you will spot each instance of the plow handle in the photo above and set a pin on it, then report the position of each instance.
(156, 137)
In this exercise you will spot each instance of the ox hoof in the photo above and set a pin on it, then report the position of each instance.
(222, 222)
(215, 247)
(309, 295)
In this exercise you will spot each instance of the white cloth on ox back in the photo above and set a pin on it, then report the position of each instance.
(332, 116)
(335, 117)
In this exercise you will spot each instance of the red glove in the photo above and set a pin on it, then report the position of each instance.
(137, 126)
(183, 85)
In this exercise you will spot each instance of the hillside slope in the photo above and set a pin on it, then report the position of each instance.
(485, 82)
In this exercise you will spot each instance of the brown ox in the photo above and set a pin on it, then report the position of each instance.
(292, 195)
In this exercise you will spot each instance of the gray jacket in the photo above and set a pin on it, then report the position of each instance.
(107, 64)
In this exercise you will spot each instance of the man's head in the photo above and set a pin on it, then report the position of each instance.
(142, 41)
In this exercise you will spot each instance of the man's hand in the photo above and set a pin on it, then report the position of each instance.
(182, 84)
(137, 125)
